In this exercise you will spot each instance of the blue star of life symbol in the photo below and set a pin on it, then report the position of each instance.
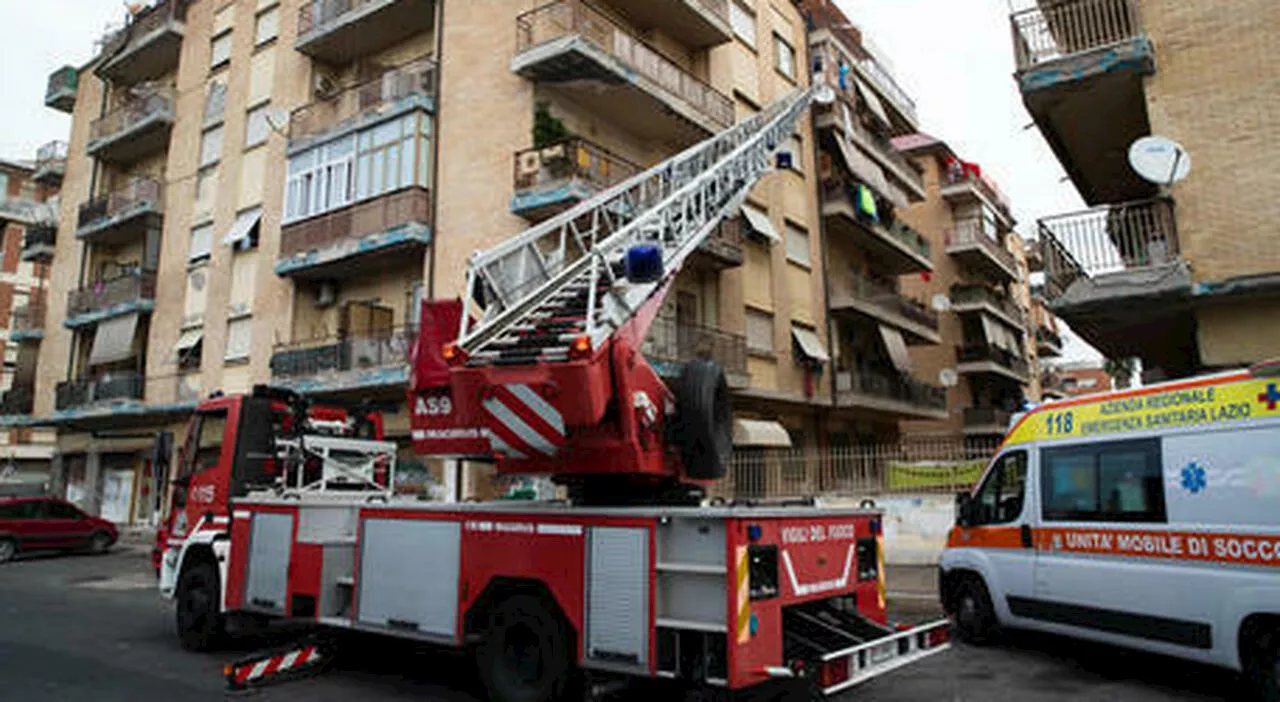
(1193, 478)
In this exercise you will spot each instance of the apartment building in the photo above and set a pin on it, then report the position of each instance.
(870, 246)
(979, 289)
(263, 190)
(28, 222)
(1183, 276)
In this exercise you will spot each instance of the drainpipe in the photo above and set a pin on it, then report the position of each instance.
(435, 155)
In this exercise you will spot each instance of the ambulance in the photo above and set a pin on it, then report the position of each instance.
(1146, 518)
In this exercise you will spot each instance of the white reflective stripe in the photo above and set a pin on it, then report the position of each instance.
(560, 529)
(241, 514)
(288, 661)
(311, 654)
(513, 422)
(259, 668)
(822, 585)
(502, 447)
(535, 402)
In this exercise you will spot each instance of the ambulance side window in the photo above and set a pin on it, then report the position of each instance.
(1118, 481)
(1000, 498)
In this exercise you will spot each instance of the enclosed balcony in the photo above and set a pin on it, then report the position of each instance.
(978, 243)
(671, 344)
(992, 360)
(578, 50)
(340, 31)
(895, 394)
(358, 238)
(365, 362)
(981, 421)
(553, 178)
(28, 320)
(51, 163)
(893, 245)
(1081, 65)
(130, 293)
(982, 299)
(129, 213)
(697, 24)
(135, 129)
(410, 87)
(60, 93)
(882, 304)
(147, 47)
(39, 242)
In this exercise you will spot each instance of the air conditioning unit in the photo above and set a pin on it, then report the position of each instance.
(325, 87)
(326, 294)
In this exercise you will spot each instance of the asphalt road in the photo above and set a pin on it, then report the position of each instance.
(93, 628)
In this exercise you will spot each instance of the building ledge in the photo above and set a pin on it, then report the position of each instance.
(992, 368)
(320, 262)
(111, 413)
(849, 399)
(149, 212)
(88, 318)
(1137, 54)
(26, 334)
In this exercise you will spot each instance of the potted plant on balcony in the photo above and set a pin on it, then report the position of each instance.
(549, 135)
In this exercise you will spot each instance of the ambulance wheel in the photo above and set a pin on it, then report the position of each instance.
(524, 656)
(1264, 666)
(200, 623)
(975, 617)
(705, 420)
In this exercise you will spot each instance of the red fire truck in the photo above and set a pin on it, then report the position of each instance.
(285, 509)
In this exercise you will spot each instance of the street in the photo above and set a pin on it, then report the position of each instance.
(85, 627)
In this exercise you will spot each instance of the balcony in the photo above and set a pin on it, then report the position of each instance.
(978, 244)
(600, 65)
(336, 364)
(18, 400)
(134, 130)
(28, 321)
(51, 163)
(1048, 343)
(1052, 386)
(60, 93)
(896, 248)
(39, 243)
(890, 393)
(1081, 66)
(965, 186)
(340, 31)
(671, 344)
(147, 47)
(883, 304)
(118, 386)
(983, 299)
(992, 360)
(1116, 275)
(551, 179)
(127, 214)
(358, 238)
(698, 24)
(986, 420)
(402, 89)
(125, 294)
(841, 119)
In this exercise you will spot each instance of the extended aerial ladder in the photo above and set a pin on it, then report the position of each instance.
(545, 375)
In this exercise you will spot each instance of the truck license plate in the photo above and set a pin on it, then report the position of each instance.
(883, 652)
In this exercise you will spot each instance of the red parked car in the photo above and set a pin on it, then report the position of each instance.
(45, 523)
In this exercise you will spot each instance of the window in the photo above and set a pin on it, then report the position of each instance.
(239, 339)
(999, 500)
(61, 510)
(320, 179)
(797, 244)
(786, 57)
(1113, 482)
(4, 185)
(256, 126)
(759, 331)
(201, 242)
(267, 27)
(206, 429)
(221, 50)
(206, 192)
(743, 22)
(215, 103)
(211, 146)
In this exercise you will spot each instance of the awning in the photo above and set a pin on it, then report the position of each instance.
(809, 344)
(998, 336)
(873, 102)
(760, 224)
(113, 340)
(990, 330)
(188, 340)
(755, 432)
(862, 167)
(243, 227)
(897, 348)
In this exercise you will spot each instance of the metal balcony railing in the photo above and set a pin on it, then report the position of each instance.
(897, 228)
(141, 25)
(1108, 240)
(40, 235)
(133, 112)
(902, 388)
(962, 294)
(63, 83)
(52, 156)
(880, 145)
(979, 352)
(672, 342)
(989, 190)
(1048, 336)
(319, 13)
(562, 18)
(986, 416)
(104, 294)
(387, 349)
(113, 386)
(30, 317)
(882, 295)
(380, 214)
(415, 78)
(1050, 31)
(137, 191)
(19, 399)
(571, 159)
(984, 233)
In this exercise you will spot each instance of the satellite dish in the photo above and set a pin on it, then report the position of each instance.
(278, 119)
(1159, 160)
(948, 377)
(941, 303)
(824, 95)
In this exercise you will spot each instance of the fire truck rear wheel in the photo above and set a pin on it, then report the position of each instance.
(706, 420)
(975, 616)
(200, 623)
(524, 656)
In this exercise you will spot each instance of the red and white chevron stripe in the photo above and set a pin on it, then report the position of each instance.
(255, 672)
(522, 424)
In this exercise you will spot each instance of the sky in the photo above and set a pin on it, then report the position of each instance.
(953, 56)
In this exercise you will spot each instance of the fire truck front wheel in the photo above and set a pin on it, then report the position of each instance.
(524, 656)
(198, 619)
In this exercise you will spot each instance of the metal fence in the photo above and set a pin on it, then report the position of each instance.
(1105, 240)
(137, 192)
(132, 112)
(562, 18)
(913, 465)
(1054, 30)
(416, 77)
(571, 159)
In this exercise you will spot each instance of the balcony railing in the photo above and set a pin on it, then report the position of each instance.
(52, 158)
(60, 93)
(340, 31)
(891, 387)
(137, 194)
(1108, 240)
(141, 26)
(976, 294)
(884, 296)
(988, 189)
(40, 236)
(388, 349)
(985, 235)
(414, 79)
(1050, 31)
(18, 400)
(30, 317)
(114, 386)
(350, 223)
(881, 146)
(994, 354)
(105, 294)
(897, 229)
(1048, 337)
(981, 417)
(134, 113)
(574, 159)
(670, 342)
(565, 18)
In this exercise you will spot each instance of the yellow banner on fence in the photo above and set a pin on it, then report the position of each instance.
(925, 474)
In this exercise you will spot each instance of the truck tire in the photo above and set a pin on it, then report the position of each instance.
(975, 616)
(524, 655)
(1263, 668)
(705, 420)
(199, 621)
